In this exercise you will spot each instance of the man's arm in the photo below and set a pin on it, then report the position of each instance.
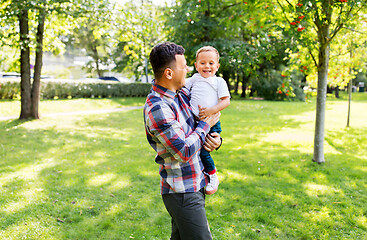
(162, 124)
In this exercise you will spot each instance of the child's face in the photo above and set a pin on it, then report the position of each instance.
(207, 64)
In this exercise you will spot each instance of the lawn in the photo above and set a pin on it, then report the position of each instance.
(93, 176)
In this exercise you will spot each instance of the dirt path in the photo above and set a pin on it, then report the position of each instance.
(100, 111)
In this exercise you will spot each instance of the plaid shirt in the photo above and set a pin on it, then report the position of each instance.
(173, 133)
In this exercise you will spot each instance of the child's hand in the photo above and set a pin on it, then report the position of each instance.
(205, 112)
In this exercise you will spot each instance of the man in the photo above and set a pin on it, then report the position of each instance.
(176, 137)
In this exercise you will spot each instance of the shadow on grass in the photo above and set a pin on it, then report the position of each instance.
(94, 177)
(284, 195)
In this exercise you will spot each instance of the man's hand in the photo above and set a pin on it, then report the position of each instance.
(212, 141)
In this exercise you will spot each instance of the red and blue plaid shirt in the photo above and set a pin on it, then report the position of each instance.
(176, 137)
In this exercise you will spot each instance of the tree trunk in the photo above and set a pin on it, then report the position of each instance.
(38, 64)
(350, 91)
(25, 70)
(252, 91)
(206, 28)
(226, 75)
(245, 80)
(236, 84)
(96, 59)
(322, 71)
(337, 92)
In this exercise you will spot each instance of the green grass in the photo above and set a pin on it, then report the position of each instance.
(94, 176)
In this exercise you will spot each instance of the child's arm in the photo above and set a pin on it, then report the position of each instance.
(222, 104)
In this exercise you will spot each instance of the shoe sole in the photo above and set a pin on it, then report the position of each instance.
(212, 191)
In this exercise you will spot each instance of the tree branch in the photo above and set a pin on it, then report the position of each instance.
(232, 5)
(281, 6)
(340, 24)
(353, 30)
(317, 18)
(289, 3)
(313, 57)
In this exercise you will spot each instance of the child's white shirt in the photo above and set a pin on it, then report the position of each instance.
(206, 92)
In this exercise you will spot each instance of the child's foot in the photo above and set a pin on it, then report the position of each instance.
(212, 186)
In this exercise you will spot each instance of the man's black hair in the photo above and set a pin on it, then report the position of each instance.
(163, 55)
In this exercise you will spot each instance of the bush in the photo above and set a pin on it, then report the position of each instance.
(51, 89)
(9, 89)
(275, 86)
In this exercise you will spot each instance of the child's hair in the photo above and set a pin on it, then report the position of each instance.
(207, 49)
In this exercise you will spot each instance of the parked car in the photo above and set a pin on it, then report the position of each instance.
(109, 79)
(10, 75)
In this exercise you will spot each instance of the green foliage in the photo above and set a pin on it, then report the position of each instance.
(9, 61)
(93, 31)
(272, 85)
(305, 21)
(360, 77)
(9, 89)
(139, 28)
(54, 89)
(246, 35)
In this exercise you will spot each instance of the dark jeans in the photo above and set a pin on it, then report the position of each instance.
(188, 216)
(206, 159)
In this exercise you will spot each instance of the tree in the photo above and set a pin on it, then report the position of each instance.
(25, 13)
(316, 24)
(250, 43)
(32, 18)
(94, 31)
(139, 27)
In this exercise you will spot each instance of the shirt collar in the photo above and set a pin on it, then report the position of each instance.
(162, 90)
(198, 76)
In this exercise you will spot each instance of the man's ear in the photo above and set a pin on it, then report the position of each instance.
(168, 73)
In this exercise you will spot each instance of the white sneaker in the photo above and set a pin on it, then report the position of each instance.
(212, 186)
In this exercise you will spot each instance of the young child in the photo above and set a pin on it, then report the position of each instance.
(209, 95)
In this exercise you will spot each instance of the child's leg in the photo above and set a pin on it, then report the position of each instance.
(209, 165)
(206, 159)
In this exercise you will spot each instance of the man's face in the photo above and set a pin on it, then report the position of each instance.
(207, 64)
(180, 71)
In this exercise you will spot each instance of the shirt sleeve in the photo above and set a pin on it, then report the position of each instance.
(222, 88)
(189, 82)
(167, 130)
